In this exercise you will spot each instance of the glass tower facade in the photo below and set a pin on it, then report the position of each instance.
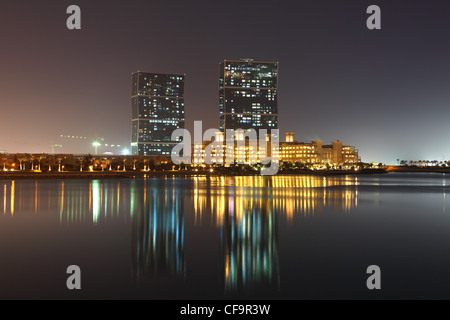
(248, 95)
(157, 102)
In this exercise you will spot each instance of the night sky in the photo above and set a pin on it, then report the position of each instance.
(387, 91)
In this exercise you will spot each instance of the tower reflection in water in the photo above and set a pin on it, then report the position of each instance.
(247, 212)
(249, 246)
(158, 229)
(290, 196)
(155, 210)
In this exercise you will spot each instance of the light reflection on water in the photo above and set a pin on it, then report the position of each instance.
(158, 231)
(101, 198)
(246, 212)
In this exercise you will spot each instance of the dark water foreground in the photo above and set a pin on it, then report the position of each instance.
(282, 237)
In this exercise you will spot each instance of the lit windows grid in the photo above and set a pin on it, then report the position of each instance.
(157, 110)
(157, 85)
(248, 95)
(250, 74)
(310, 153)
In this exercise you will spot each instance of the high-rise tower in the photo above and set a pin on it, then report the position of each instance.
(248, 95)
(157, 102)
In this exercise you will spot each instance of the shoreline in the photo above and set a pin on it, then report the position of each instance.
(417, 169)
(156, 174)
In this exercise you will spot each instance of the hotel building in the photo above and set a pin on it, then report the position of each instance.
(316, 153)
(241, 150)
(335, 154)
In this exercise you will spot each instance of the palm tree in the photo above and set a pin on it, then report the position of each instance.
(81, 160)
(108, 162)
(40, 158)
(31, 159)
(4, 159)
(93, 161)
(50, 162)
(124, 161)
(145, 164)
(90, 161)
(59, 163)
(21, 159)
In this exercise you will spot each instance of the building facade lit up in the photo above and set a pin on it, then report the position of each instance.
(316, 152)
(290, 151)
(157, 102)
(240, 151)
(248, 95)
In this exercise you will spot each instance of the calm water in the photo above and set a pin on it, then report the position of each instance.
(282, 237)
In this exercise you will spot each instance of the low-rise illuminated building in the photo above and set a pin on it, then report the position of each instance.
(316, 152)
(242, 151)
(249, 151)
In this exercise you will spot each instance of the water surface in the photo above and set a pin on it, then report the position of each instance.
(282, 237)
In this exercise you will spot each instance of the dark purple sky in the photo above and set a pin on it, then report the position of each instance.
(386, 92)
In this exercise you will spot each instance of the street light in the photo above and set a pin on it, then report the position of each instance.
(96, 144)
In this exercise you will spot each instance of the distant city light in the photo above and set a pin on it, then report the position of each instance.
(125, 152)
(96, 144)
